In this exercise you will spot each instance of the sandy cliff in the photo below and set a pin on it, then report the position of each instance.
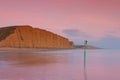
(27, 37)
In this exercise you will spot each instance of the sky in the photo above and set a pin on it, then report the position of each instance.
(97, 21)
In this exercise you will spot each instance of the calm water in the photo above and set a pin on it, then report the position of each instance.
(60, 65)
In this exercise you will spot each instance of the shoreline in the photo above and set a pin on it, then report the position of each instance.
(30, 49)
(40, 49)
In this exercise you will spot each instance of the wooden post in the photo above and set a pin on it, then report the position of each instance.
(85, 74)
(85, 44)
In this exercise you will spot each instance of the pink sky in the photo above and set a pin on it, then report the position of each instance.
(94, 18)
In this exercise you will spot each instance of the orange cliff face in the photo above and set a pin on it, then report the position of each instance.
(28, 37)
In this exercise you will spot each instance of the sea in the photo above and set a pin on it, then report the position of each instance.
(74, 64)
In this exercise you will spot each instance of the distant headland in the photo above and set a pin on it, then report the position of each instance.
(87, 47)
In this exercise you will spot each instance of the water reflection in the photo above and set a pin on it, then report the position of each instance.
(39, 66)
(60, 65)
(26, 59)
(85, 72)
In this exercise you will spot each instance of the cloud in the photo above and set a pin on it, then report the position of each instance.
(109, 41)
(74, 33)
(71, 32)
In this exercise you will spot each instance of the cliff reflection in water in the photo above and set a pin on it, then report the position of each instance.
(59, 65)
(24, 59)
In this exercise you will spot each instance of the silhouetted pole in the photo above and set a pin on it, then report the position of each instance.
(85, 74)
(85, 44)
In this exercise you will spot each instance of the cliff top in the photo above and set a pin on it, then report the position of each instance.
(9, 28)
